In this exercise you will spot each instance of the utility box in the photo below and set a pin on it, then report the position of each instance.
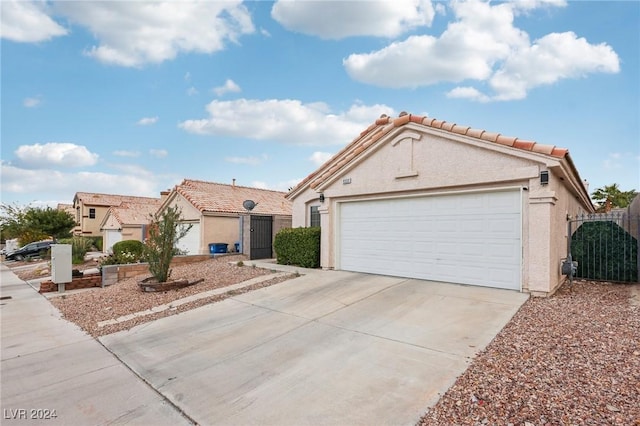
(61, 264)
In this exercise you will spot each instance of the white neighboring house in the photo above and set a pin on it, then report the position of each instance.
(128, 221)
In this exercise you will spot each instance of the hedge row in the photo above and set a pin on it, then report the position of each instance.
(298, 246)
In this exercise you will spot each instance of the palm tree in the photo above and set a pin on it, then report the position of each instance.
(610, 196)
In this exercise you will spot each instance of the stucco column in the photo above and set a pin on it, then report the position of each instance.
(539, 260)
(325, 240)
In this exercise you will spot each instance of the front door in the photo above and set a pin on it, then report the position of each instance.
(261, 237)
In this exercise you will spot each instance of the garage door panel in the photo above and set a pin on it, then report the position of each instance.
(464, 238)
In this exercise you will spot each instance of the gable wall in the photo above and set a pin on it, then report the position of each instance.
(439, 163)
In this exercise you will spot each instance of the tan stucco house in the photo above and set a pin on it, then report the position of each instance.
(215, 212)
(417, 197)
(128, 221)
(91, 208)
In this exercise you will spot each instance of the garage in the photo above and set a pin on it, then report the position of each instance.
(111, 236)
(190, 243)
(466, 238)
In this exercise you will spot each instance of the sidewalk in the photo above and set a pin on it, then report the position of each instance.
(54, 373)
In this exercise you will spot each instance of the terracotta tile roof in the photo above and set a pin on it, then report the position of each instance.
(95, 199)
(136, 213)
(386, 124)
(221, 198)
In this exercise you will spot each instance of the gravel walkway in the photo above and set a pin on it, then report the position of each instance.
(571, 359)
(89, 308)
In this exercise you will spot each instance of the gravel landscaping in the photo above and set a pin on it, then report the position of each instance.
(571, 359)
(90, 307)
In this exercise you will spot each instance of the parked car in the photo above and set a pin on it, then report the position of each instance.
(39, 248)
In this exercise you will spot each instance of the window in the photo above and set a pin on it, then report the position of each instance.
(314, 217)
(92, 213)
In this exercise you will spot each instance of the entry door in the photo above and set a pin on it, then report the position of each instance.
(469, 238)
(261, 237)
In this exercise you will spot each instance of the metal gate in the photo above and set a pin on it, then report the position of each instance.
(605, 247)
(261, 237)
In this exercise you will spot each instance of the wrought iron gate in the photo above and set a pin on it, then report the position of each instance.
(261, 237)
(605, 246)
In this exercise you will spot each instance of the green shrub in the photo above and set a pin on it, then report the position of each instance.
(128, 251)
(165, 231)
(79, 247)
(298, 246)
(605, 251)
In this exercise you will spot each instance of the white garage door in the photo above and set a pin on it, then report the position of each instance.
(190, 243)
(461, 238)
(111, 237)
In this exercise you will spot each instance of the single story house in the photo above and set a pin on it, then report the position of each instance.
(216, 211)
(422, 198)
(128, 221)
(91, 209)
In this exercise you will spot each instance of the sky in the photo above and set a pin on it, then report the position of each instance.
(132, 97)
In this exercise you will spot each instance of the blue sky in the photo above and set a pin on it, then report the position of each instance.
(133, 97)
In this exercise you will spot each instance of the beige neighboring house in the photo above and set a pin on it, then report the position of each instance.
(216, 213)
(417, 197)
(91, 208)
(128, 221)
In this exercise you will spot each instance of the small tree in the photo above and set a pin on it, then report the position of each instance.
(165, 231)
(614, 195)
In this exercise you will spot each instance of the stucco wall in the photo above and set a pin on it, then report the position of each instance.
(217, 229)
(91, 227)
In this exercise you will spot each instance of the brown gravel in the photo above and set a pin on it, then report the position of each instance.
(90, 307)
(571, 359)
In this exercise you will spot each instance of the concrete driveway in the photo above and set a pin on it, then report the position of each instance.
(329, 347)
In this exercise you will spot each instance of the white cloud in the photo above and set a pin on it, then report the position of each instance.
(187, 76)
(32, 102)
(159, 153)
(287, 121)
(553, 57)
(279, 186)
(146, 121)
(338, 20)
(319, 158)
(27, 22)
(130, 154)
(55, 154)
(482, 44)
(614, 160)
(192, 91)
(229, 87)
(252, 161)
(64, 185)
(468, 93)
(133, 34)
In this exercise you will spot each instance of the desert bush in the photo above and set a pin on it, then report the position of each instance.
(298, 246)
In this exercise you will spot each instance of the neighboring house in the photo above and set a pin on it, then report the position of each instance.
(91, 209)
(215, 212)
(128, 221)
(422, 198)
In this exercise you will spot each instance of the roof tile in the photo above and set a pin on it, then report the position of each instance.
(506, 140)
(221, 198)
(526, 145)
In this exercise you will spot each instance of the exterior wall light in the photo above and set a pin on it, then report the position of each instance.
(544, 177)
(321, 197)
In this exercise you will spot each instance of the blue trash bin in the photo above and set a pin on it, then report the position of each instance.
(217, 248)
(237, 246)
